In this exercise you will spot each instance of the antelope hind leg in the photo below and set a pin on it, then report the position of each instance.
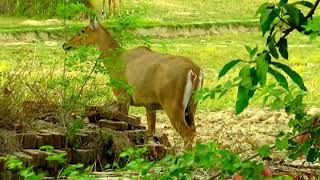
(176, 115)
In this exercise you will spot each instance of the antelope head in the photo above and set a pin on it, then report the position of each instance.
(94, 34)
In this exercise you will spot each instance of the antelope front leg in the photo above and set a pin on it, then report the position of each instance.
(120, 7)
(151, 118)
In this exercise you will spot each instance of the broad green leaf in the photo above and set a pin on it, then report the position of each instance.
(283, 2)
(242, 99)
(264, 151)
(272, 47)
(296, 78)
(263, 7)
(283, 48)
(279, 77)
(266, 19)
(254, 77)
(262, 68)
(303, 3)
(227, 67)
(294, 13)
(245, 74)
(243, 89)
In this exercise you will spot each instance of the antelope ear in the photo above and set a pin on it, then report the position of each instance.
(93, 23)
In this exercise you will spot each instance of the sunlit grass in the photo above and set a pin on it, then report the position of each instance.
(210, 52)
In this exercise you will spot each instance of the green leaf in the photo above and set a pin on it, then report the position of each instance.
(57, 157)
(263, 7)
(312, 24)
(242, 99)
(293, 122)
(304, 3)
(272, 47)
(294, 13)
(282, 144)
(227, 67)
(283, 2)
(254, 51)
(265, 100)
(262, 68)
(248, 49)
(245, 74)
(47, 148)
(266, 19)
(276, 104)
(283, 48)
(313, 155)
(296, 78)
(264, 151)
(279, 77)
(251, 52)
(313, 36)
(243, 89)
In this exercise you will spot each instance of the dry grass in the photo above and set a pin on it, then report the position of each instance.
(9, 142)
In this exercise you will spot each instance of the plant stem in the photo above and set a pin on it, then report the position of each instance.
(309, 15)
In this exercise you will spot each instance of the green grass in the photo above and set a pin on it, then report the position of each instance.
(168, 13)
(191, 11)
(210, 52)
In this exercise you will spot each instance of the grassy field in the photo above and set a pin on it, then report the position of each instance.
(211, 52)
(191, 11)
(171, 12)
(151, 13)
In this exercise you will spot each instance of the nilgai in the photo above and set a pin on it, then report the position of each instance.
(159, 81)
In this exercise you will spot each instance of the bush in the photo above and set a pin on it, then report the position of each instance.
(33, 8)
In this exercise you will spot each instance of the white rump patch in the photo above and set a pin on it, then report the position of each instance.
(188, 90)
(200, 84)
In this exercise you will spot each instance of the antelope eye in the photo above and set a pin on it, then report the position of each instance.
(82, 31)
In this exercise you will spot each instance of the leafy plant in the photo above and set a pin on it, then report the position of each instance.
(53, 155)
(15, 164)
(202, 156)
(76, 171)
(73, 129)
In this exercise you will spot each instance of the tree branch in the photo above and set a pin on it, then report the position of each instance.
(309, 15)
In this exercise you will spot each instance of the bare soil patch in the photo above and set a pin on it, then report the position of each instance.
(242, 134)
(46, 22)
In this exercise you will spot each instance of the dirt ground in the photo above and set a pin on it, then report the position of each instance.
(242, 133)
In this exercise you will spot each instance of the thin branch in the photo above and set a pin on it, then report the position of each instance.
(312, 10)
(309, 15)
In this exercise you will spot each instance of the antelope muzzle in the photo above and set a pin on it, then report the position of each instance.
(67, 47)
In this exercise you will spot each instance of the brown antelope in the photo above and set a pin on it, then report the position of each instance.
(112, 7)
(159, 81)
